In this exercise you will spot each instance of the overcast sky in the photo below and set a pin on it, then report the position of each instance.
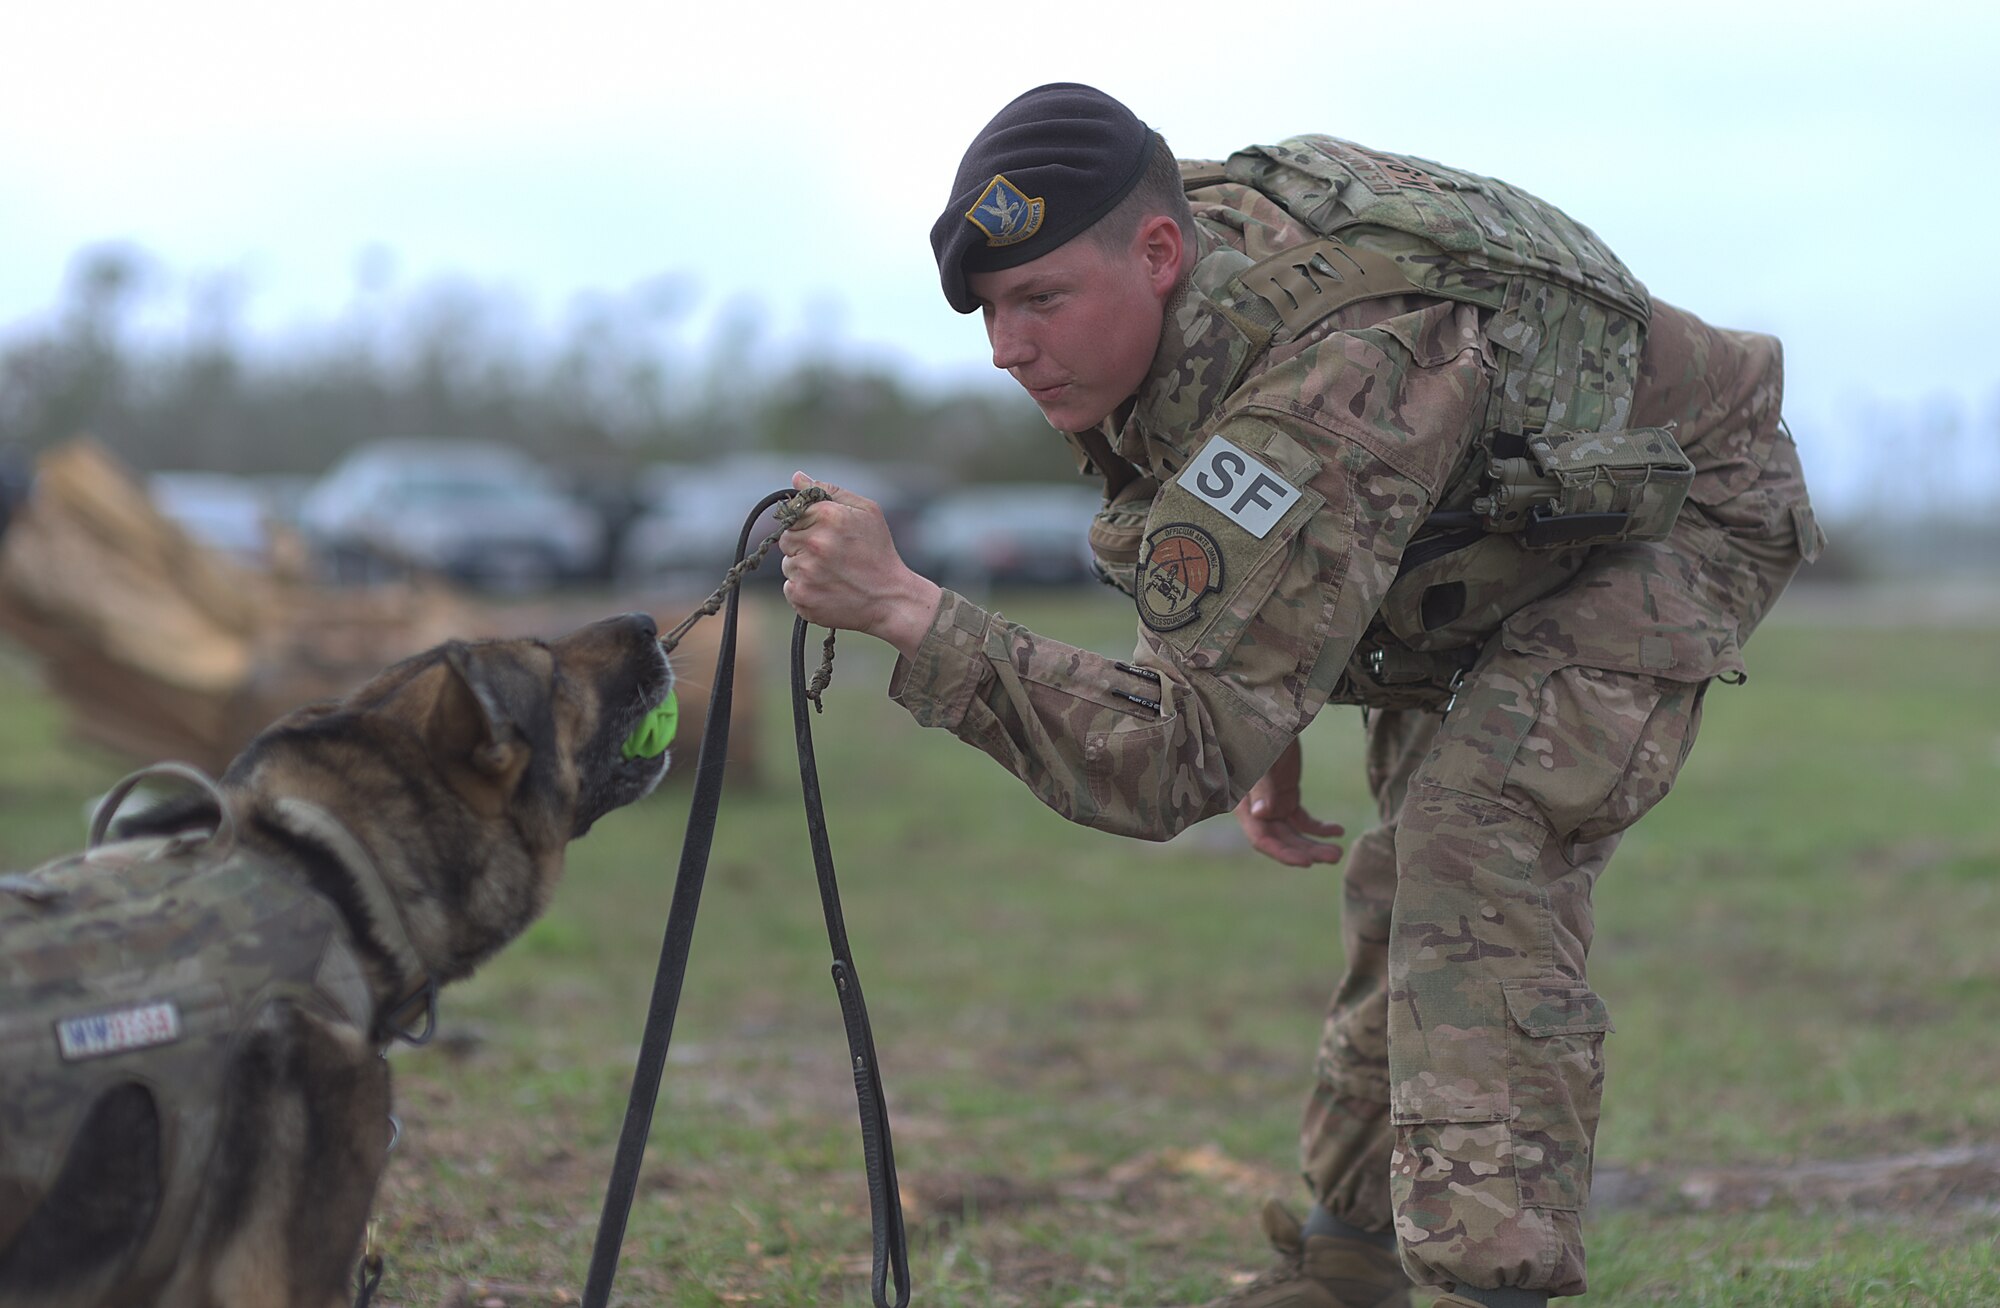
(1828, 172)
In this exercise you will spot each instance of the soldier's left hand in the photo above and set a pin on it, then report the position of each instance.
(842, 571)
(1277, 824)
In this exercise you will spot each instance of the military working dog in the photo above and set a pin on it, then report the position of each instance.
(193, 1109)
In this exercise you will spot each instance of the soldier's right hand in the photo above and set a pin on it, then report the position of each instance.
(842, 571)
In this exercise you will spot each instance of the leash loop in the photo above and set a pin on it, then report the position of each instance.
(747, 561)
(890, 1244)
(878, 1153)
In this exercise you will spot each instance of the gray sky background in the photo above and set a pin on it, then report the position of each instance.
(1827, 172)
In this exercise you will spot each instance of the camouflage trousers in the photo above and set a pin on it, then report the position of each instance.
(1461, 1067)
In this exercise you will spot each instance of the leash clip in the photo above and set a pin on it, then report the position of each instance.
(401, 1029)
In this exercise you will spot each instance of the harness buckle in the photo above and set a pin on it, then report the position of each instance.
(1457, 680)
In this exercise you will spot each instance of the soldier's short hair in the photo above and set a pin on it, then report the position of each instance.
(1160, 191)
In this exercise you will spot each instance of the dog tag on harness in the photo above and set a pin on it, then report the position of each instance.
(117, 1032)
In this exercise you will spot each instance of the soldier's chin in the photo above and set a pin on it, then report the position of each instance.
(1067, 409)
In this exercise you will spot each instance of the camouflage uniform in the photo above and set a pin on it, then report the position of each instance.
(1528, 701)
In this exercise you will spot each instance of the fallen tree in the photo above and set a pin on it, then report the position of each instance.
(162, 648)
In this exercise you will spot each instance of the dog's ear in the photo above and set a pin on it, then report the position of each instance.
(472, 730)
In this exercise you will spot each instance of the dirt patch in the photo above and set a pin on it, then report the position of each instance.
(1913, 1184)
(948, 1199)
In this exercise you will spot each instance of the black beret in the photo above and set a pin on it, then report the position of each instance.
(1050, 164)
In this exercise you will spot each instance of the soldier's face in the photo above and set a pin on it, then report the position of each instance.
(1079, 326)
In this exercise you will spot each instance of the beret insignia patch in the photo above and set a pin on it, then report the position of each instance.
(1182, 565)
(1005, 213)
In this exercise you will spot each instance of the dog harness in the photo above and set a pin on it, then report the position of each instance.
(143, 962)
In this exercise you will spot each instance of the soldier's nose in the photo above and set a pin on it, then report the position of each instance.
(1011, 348)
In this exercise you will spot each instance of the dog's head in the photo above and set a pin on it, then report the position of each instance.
(464, 771)
(534, 731)
(523, 731)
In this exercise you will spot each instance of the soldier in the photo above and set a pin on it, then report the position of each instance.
(1372, 431)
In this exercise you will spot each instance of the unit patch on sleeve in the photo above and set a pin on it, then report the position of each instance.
(1239, 487)
(1182, 565)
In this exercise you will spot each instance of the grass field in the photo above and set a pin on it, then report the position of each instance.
(1095, 1049)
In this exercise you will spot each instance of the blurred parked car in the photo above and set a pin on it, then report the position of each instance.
(482, 514)
(686, 538)
(1005, 535)
(223, 511)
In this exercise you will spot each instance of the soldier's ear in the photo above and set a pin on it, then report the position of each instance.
(472, 725)
(1160, 244)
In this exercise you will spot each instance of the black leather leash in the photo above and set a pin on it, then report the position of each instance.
(878, 1152)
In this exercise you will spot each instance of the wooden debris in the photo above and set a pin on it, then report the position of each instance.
(162, 648)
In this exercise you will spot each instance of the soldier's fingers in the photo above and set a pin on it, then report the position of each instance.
(1326, 853)
(834, 494)
(838, 494)
(1310, 848)
(1279, 852)
(1312, 855)
(1279, 843)
(1312, 826)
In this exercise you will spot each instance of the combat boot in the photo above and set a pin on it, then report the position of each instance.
(1492, 1299)
(1323, 1271)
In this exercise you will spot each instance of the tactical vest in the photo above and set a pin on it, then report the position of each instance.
(1555, 468)
(142, 962)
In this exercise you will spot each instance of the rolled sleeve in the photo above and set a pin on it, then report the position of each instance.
(950, 666)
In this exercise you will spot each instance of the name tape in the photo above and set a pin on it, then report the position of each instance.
(1238, 487)
(115, 1033)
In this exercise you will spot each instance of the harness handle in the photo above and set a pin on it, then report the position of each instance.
(878, 1157)
(222, 839)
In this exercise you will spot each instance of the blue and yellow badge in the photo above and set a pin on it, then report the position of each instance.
(1005, 213)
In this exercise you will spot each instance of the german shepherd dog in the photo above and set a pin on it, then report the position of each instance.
(452, 782)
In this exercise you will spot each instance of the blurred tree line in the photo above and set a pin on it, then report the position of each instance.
(454, 360)
(612, 390)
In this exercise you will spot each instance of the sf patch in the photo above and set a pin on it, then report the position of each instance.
(1182, 565)
(1238, 487)
(1005, 213)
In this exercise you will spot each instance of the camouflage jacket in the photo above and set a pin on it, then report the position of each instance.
(1318, 411)
(143, 961)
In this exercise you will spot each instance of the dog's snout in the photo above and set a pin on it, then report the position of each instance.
(615, 637)
(636, 626)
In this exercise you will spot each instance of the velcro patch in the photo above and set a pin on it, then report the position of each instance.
(1238, 487)
(1181, 567)
(117, 1032)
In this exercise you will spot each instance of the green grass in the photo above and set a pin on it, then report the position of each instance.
(1095, 1049)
